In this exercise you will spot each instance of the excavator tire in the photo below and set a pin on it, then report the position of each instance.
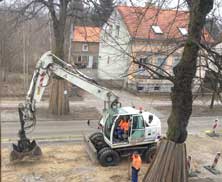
(96, 136)
(109, 157)
(150, 154)
(101, 151)
(98, 141)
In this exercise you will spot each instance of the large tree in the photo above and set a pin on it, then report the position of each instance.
(170, 162)
(102, 11)
(59, 12)
(58, 103)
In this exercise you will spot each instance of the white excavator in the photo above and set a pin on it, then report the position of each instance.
(108, 145)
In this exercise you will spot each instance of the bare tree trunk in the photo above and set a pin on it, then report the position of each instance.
(181, 97)
(212, 100)
(59, 98)
(59, 101)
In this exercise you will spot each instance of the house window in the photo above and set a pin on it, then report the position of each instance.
(117, 30)
(157, 88)
(143, 60)
(157, 29)
(161, 61)
(108, 29)
(141, 68)
(79, 59)
(183, 31)
(85, 47)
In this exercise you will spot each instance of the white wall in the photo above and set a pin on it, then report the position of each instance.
(113, 61)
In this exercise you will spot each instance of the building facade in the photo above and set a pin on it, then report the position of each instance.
(148, 35)
(85, 48)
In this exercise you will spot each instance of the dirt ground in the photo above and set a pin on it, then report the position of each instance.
(70, 163)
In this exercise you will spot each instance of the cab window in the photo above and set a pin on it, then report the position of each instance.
(108, 125)
(138, 122)
(138, 128)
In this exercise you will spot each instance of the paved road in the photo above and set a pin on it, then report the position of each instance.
(51, 129)
(74, 129)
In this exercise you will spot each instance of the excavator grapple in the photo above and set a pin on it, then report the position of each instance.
(18, 152)
(25, 147)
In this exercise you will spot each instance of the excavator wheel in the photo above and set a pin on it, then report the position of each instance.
(17, 155)
(150, 154)
(109, 157)
(97, 140)
(101, 151)
(95, 136)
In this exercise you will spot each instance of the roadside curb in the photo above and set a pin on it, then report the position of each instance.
(54, 120)
(46, 139)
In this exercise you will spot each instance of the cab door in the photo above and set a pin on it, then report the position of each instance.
(137, 133)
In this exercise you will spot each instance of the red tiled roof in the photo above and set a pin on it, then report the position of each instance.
(139, 21)
(86, 34)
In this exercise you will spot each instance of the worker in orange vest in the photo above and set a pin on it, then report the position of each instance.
(125, 130)
(121, 123)
(136, 165)
(126, 126)
(120, 129)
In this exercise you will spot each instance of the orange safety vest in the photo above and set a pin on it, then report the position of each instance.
(137, 162)
(126, 126)
(121, 124)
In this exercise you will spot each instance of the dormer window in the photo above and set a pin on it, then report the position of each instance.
(183, 31)
(157, 29)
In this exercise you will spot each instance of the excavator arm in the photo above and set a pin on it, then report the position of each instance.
(47, 66)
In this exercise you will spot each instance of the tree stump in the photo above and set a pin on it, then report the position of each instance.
(169, 164)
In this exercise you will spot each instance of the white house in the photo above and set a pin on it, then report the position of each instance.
(113, 50)
(147, 34)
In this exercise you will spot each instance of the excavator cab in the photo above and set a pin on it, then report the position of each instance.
(133, 132)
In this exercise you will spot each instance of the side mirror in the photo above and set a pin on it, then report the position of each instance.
(150, 118)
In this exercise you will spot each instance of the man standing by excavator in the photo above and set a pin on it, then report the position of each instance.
(136, 165)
